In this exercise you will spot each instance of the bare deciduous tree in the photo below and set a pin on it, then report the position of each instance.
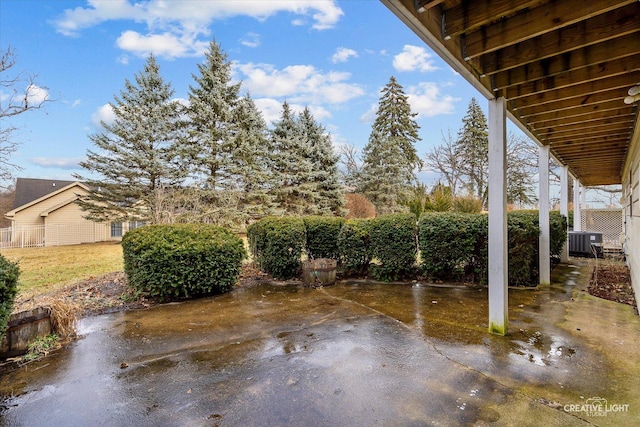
(350, 167)
(442, 159)
(20, 94)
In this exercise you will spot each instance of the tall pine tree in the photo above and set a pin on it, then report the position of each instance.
(390, 158)
(212, 101)
(138, 156)
(328, 192)
(292, 166)
(248, 162)
(472, 147)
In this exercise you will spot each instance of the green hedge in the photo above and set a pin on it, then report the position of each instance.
(277, 244)
(454, 246)
(449, 244)
(322, 236)
(354, 246)
(9, 273)
(393, 245)
(524, 236)
(558, 232)
(182, 260)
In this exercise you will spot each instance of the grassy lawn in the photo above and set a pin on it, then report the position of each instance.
(49, 268)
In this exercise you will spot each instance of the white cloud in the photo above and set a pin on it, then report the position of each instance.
(174, 28)
(251, 39)
(300, 83)
(36, 95)
(59, 163)
(167, 45)
(414, 58)
(343, 54)
(369, 116)
(75, 103)
(270, 108)
(103, 114)
(426, 100)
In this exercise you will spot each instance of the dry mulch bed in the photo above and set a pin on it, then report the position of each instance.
(612, 281)
(110, 293)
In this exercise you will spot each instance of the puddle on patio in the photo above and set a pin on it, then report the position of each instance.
(350, 354)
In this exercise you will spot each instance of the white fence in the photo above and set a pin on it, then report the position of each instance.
(30, 236)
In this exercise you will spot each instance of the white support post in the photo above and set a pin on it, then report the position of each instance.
(498, 249)
(543, 209)
(564, 207)
(577, 215)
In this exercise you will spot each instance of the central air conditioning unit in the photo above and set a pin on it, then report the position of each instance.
(585, 244)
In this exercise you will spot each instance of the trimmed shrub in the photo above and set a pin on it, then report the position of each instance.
(354, 246)
(277, 244)
(558, 232)
(524, 234)
(182, 260)
(449, 244)
(322, 236)
(9, 273)
(393, 245)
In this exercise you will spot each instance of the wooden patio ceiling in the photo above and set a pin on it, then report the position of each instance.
(564, 67)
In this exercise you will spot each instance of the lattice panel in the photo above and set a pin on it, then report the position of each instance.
(605, 221)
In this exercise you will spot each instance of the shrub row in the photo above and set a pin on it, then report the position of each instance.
(182, 260)
(453, 246)
(9, 273)
(278, 242)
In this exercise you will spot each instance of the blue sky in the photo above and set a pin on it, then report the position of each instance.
(332, 56)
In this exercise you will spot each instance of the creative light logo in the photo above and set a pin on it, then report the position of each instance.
(596, 407)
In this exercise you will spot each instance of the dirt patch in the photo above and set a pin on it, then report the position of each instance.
(612, 281)
(111, 292)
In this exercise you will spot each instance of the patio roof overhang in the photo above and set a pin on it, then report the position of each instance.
(564, 67)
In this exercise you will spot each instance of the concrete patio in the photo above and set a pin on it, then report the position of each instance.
(356, 354)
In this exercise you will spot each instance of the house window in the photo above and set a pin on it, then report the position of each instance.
(136, 224)
(116, 229)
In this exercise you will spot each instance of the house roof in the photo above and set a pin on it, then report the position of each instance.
(567, 69)
(57, 188)
(30, 189)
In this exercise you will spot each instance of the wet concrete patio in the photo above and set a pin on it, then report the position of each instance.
(354, 354)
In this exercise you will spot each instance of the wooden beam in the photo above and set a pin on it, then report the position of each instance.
(628, 114)
(467, 16)
(565, 103)
(599, 54)
(535, 22)
(614, 24)
(595, 137)
(592, 73)
(586, 93)
(613, 147)
(611, 125)
(587, 138)
(426, 4)
(575, 112)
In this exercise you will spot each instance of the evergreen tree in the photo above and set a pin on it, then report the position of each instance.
(138, 155)
(249, 162)
(522, 164)
(329, 195)
(211, 109)
(292, 166)
(472, 147)
(390, 158)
